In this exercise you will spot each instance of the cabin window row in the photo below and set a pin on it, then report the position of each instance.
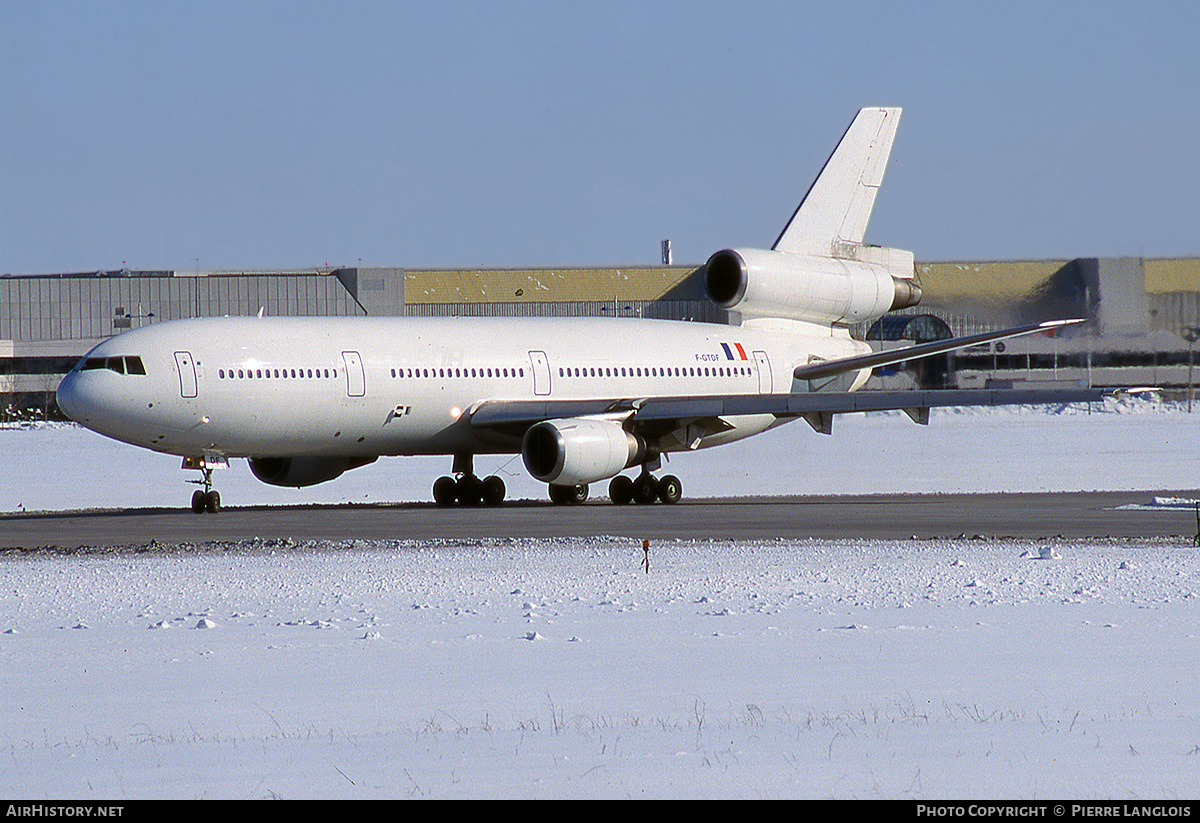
(404, 373)
(251, 374)
(671, 371)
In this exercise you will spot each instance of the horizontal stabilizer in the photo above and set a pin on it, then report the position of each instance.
(829, 368)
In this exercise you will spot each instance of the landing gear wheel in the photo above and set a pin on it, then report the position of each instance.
(470, 490)
(645, 489)
(445, 491)
(568, 494)
(670, 489)
(205, 499)
(492, 490)
(620, 490)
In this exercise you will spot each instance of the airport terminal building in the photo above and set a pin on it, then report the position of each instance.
(1144, 313)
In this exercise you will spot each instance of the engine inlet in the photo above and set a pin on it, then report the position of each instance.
(725, 278)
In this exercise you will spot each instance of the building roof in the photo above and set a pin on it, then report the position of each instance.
(545, 285)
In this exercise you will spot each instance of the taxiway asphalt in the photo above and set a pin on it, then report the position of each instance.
(1072, 515)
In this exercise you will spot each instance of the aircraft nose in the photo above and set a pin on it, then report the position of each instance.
(67, 397)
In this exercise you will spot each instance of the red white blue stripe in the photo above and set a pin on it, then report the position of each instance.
(730, 353)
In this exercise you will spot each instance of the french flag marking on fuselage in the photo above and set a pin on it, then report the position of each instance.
(729, 355)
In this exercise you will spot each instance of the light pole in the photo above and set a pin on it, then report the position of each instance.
(1191, 334)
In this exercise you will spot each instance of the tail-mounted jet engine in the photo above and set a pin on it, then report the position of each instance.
(865, 285)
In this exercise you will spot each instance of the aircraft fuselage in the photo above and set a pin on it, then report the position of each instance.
(318, 386)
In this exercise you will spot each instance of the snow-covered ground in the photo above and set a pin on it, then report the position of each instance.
(562, 669)
(1115, 446)
(536, 668)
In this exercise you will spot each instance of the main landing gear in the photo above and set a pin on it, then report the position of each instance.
(622, 490)
(468, 489)
(645, 489)
(568, 495)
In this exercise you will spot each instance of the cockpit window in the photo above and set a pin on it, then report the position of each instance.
(129, 364)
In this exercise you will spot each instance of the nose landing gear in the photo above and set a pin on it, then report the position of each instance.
(207, 499)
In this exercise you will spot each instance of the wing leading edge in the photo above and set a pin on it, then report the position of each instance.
(500, 415)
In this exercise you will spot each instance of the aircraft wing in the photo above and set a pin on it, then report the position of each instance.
(667, 413)
(663, 414)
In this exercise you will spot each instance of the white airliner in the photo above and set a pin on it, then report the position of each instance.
(581, 399)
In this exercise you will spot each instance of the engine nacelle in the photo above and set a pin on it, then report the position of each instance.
(575, 451)
(761, 283)
(303, 471)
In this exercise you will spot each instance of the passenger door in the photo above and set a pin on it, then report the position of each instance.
(356, 381)
(187, 373)
(763, 365)
(541, 372)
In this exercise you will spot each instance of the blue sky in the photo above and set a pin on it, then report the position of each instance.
(215, 135)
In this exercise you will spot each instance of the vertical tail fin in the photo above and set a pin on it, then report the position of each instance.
(834, 213)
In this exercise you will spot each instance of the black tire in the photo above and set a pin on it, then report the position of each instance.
(572, 495)
(493, 491)
(470, 490)
(645, 490)
(620, 490)
(445, 491)
(670, 490)
(198, 502)
(212, 501)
